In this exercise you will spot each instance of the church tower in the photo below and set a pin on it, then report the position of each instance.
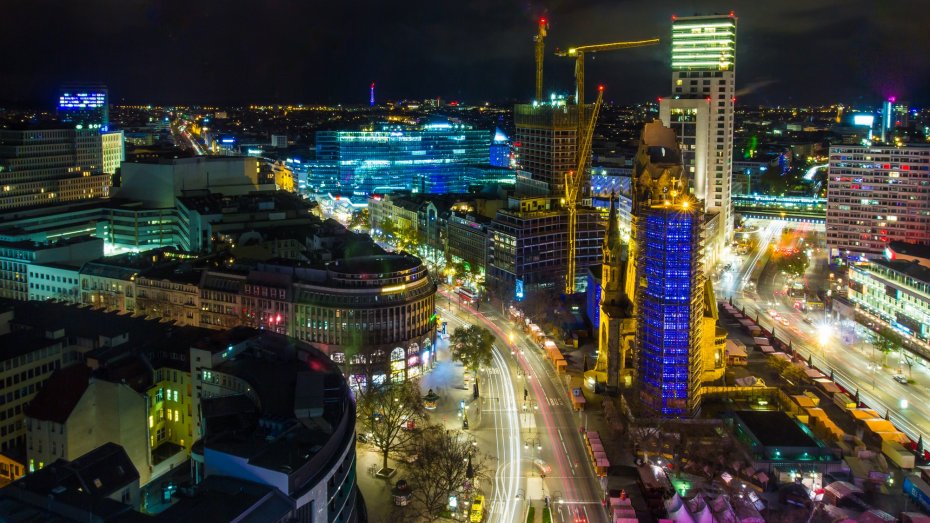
(617, 325)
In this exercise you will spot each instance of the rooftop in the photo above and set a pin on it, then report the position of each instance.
(84, 322)
(255, 201)
(60, 395)
(375, 264)
(910, 249)
(303, 398)
(28, 245)
(18, 343)
(69, 488)
(775, 429)
(222, 498)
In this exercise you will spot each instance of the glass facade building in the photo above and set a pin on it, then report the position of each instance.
(428, 159)
(670, 303)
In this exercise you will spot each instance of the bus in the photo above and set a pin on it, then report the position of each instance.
(467, 295)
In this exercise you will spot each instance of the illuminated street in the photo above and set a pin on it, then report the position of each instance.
(495, 424)
(550, 433)
(855, 364)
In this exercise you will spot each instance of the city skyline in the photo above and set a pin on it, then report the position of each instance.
(475, 52)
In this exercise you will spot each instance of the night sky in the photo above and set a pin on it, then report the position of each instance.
(312, 51)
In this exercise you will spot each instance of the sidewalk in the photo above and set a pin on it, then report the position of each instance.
(446, 379)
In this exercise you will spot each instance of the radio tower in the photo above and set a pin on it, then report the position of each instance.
(371, 100)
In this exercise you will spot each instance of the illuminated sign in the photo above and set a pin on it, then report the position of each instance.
(865, 120)
(518, 291)
(228, 140)
(82, 100)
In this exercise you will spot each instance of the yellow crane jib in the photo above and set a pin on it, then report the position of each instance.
(574, 180)
(579, 52)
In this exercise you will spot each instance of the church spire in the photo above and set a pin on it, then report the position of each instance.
(613, 234)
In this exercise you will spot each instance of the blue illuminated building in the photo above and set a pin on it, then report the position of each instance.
(670, 292)
(500, 150)
(87, 106)
(670, 243)
(434, 158)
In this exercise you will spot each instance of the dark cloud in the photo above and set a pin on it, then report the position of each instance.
(807, 51)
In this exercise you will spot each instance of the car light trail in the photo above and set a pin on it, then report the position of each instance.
(511, 432)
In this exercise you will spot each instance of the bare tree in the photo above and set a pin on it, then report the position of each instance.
(391, 414)
(447, 463)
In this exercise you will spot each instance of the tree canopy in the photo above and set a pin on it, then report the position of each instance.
(390, 415)
(442, 469)
(472, 346)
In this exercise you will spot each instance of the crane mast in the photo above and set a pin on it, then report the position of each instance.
(573, 184)
(539, 39)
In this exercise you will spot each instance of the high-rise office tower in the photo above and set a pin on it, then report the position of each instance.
(689, 117)
(704, 68)
(669, 290)
(888, 119)
(87, 106)
(876, 195)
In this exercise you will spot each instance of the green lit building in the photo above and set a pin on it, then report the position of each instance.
(704, 75)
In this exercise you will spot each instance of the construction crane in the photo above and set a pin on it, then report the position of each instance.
(540, 50)
(574, 182)
(578, 53)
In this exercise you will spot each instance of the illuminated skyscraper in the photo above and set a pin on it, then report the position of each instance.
(669, 284)
(888, 119)
(87, 106)
(689, 117)
(704, 68)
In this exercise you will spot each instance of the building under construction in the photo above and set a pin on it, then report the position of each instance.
(546, 141)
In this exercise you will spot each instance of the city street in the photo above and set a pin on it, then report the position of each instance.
(553, 448)
(845, 351)
(493, 424)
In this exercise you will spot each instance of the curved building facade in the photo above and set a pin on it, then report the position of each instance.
(375, 315)
(278, 412)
